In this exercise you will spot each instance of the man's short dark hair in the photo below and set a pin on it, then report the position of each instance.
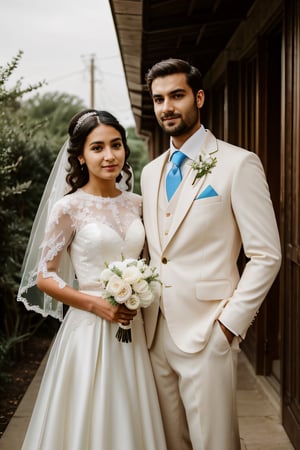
(171, 66)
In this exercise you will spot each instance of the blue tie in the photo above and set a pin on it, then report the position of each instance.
(174, 175)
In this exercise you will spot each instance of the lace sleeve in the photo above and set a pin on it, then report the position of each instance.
(53, 249)
(58, 236)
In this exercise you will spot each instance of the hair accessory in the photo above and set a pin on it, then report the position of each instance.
(82, 119)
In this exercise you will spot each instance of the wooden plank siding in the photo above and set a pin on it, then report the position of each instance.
(291, 223)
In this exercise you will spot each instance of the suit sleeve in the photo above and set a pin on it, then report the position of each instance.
(254, 214)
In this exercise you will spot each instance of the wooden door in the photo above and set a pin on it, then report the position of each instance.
(290, 217)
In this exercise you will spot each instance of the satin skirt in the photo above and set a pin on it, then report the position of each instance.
(96, 393)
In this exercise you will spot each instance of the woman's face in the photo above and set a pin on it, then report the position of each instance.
(103, 153)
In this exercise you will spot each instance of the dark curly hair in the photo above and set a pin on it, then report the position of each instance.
(80, 127)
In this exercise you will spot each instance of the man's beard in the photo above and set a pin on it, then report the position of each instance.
(180, 129)
(176, 131)
(183, 127)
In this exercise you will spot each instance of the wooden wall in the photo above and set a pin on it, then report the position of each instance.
(290, 222)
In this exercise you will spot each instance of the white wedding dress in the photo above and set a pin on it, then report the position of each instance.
(97, 393)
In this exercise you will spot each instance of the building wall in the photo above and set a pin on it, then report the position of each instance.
(290, 220)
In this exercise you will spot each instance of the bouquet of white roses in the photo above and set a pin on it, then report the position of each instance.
(130, 282)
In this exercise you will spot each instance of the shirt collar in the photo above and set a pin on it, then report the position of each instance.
(191, 147)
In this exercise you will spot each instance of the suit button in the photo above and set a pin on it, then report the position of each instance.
(164, 260)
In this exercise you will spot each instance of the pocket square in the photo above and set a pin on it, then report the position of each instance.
(208, 192)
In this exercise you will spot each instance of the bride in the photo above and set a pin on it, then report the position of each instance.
(97, 393)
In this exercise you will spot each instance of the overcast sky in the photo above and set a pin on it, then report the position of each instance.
(58, 38)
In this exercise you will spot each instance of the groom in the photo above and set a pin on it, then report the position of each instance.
(203, 198)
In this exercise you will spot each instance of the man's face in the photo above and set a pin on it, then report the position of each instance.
(175, 105)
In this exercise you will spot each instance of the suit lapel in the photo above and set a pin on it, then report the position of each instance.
(187, 195)
(188, 190)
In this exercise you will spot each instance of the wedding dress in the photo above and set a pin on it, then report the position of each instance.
(97, 393)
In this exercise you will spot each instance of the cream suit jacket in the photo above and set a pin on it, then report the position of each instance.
(198, 259)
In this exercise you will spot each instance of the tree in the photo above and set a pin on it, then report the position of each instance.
(13, 137)
(56, 109)
(138, 156)
(49, 115)
(31, 133)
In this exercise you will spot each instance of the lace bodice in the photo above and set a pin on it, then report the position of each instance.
(93, 230)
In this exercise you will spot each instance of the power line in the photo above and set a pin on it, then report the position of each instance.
(69, 75)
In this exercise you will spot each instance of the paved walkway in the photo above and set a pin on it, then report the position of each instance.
(259, 413)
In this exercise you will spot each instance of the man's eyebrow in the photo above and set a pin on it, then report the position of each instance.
(175, 91)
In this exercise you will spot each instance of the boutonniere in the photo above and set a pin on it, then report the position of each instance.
(205, 163)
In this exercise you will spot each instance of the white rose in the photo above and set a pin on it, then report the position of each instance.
(155, 287)
(124, 293)
(118, 289)
(118, 264)
(133, 302)
(141, 264)
(131, 274)
(128, 261)
(140, 286)
(146, 298)
(106, 274)
(147, 272)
